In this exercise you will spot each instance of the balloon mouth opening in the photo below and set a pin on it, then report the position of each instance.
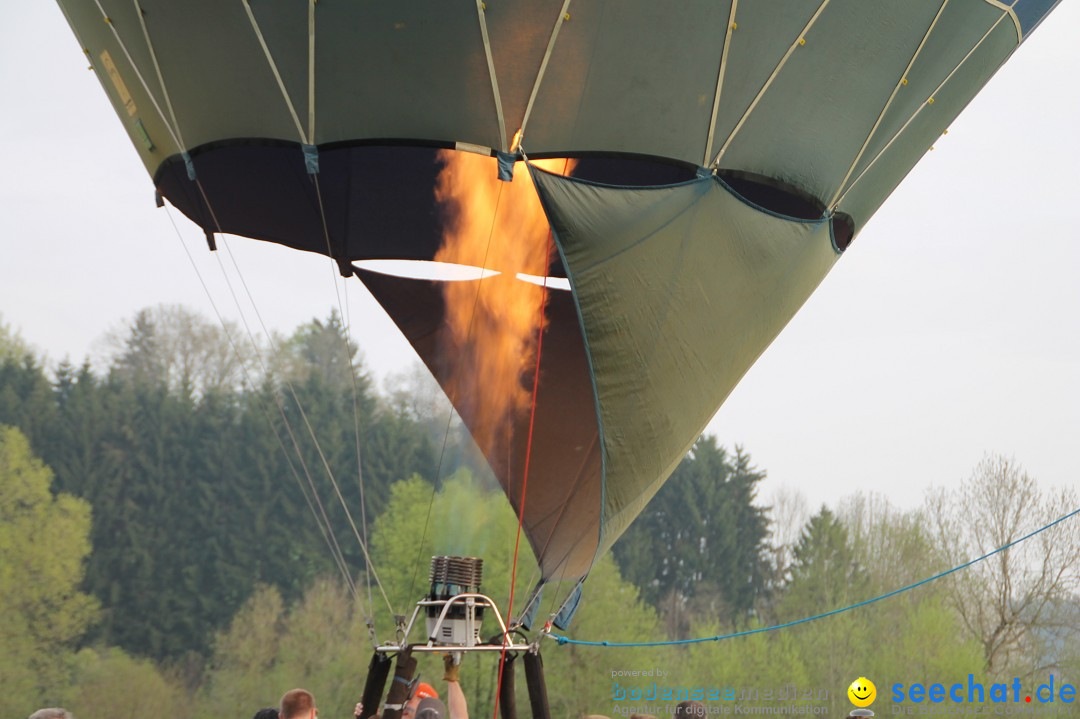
(788, 200)
(843, 230)
(435, 271)
(774, 195)
(379, 198)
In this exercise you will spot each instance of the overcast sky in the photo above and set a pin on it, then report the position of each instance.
(948, 330)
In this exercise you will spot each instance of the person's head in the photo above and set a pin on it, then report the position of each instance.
(298, 704)
(267, 713)
(431, 708)
(422, 691)
(52, 713)
(686, 710)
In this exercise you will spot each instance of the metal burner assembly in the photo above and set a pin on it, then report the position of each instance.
(451, 622)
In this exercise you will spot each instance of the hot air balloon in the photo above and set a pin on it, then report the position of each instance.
(699, 167)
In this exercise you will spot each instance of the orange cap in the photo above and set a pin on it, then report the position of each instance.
(425, 691)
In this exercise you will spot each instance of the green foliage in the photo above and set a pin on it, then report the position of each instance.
(26, 397)
(319, 643)
(868, 550)
(198, 488)
(923, 639)
(204, 545)
(12, 346)
(759, 662)
(825, 574)
(109, 684)
(43, 544)
(465, 520)
(580, 678)
(701, 530)
(320, 351)
(895, 547)
(173, 347)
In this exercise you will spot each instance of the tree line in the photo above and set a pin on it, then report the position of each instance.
(157, 529)
(196, 486)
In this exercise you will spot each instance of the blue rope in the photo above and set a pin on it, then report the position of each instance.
(567, 640)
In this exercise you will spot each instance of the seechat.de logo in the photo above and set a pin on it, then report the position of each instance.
(974, 692)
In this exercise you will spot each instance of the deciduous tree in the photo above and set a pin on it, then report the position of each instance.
(1011, 601)
(43, 546)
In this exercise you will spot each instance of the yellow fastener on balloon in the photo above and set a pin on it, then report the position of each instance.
(904, 81)
(930, 101)
(802, 40)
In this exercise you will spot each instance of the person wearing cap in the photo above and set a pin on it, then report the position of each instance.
(423, 691)
(458, 707)
(431, 709)
(689, 709)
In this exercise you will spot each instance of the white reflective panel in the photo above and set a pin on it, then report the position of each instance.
(426, 270)
(552, 283)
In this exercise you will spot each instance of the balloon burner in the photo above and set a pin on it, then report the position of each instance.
(461, 616)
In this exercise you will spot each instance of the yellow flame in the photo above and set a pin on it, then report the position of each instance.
(492, 324)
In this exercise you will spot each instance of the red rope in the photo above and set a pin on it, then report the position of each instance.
(524, 481)
(528, 456)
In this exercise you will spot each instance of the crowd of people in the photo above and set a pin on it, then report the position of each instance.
(300, 704)
(423, 703)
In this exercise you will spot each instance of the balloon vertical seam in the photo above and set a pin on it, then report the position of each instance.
(888, 103)
(720, 82)
(563, 16)
(138, 74)
(922, 106)
(161, 78)
(274, 70)
(799, 40)
(491, 72)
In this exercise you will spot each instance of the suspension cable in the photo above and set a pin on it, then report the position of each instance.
(322, 522)
(356, 433)
(346, 319)
(174, 130)
(281, 410)
(300, 408)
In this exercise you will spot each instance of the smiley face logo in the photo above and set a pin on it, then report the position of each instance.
(862, 692)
